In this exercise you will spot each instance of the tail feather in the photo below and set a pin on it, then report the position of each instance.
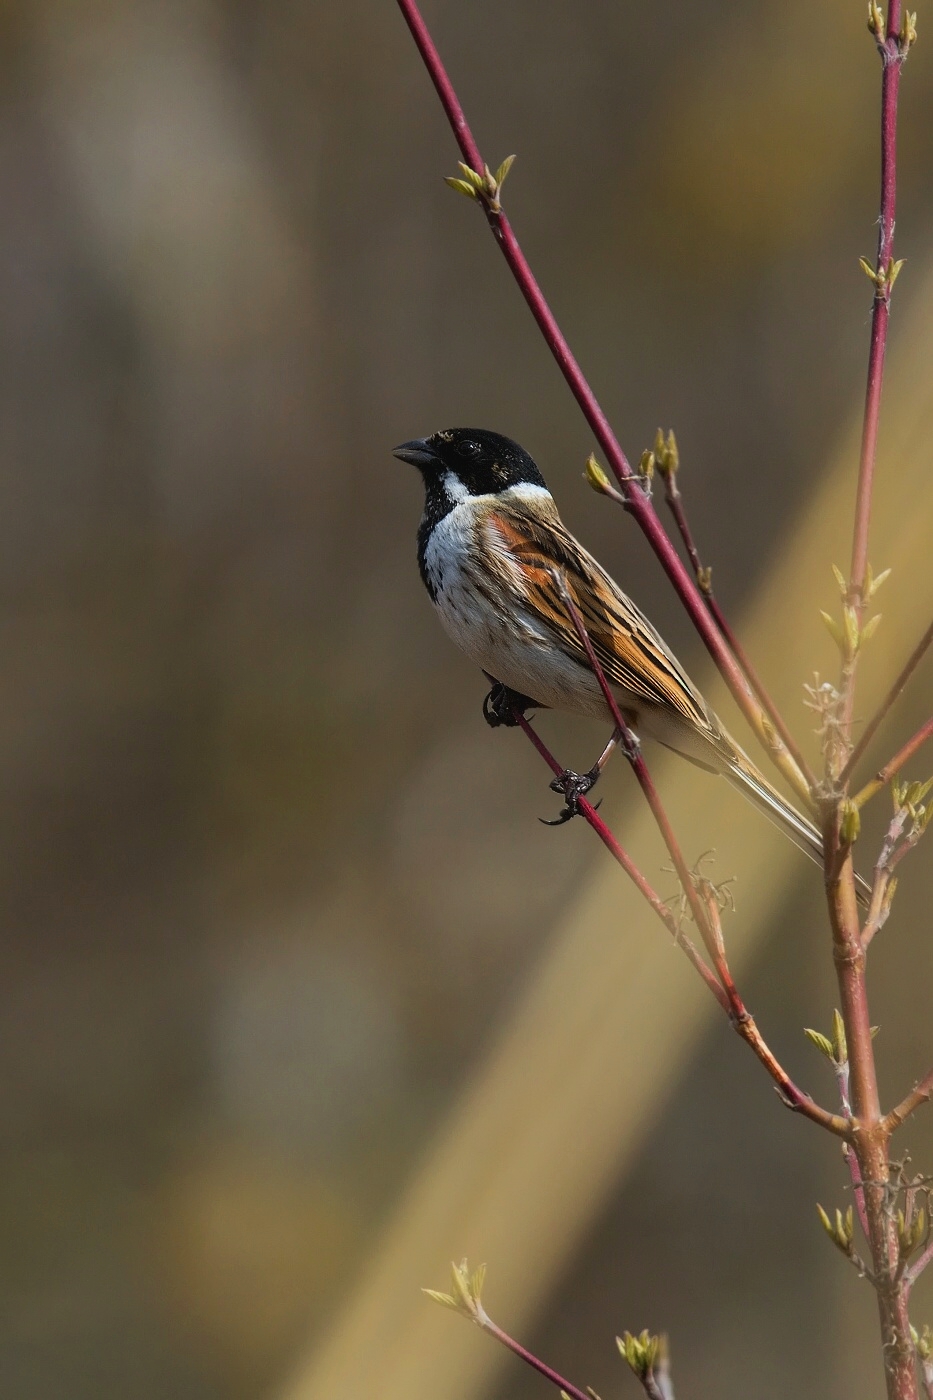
(745, 778)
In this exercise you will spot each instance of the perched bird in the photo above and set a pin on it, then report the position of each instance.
(489, 545)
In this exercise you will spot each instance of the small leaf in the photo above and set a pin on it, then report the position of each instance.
(841, 580)
(471, 176)
(851, 822)
(873, 584)
(833, 628)
(840, 1048)
(821, 1042)
(919, 1228)
(851, 629)
(460, 186)
(461, 1286)
(504, 169)
(444, 1299)
(869, 629)
(673, 452)
(595, 474)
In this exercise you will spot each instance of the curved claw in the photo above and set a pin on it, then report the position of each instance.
(502, 705)
(572, 786)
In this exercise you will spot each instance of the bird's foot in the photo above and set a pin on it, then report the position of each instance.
(573, 786)
(503, 706)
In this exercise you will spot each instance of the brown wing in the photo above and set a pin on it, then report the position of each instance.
(628, 648)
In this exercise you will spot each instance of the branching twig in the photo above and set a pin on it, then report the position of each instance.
(921, 1093)
(699, 893)
(894, 765)
(912, 1273)
(638, 503)
(465, 1298)
(675, 501)
(632, 749)
(864, 1128)
(590, 815)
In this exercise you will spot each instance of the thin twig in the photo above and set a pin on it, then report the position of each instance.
(879, 907)
(674, 498)
(894, 765)
(917, 1267)
(533, 1361)
(726, 995)
(638, 503)
(633, 753)
(896, 690)
(590, 815)
(892, 59)
(841, 1071)
(919, 1094)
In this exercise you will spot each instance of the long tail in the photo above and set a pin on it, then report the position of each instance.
(745, 778)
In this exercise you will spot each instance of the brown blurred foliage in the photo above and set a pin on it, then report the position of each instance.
(270, 887)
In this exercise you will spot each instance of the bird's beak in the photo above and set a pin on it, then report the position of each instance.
(418, 452)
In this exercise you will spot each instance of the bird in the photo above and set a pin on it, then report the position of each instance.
(494, 555)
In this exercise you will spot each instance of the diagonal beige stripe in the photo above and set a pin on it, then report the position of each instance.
(555, 1112)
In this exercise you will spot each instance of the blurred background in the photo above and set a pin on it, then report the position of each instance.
(298, 999)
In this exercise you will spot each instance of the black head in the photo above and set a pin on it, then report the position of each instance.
(458, 463)
(473, 460)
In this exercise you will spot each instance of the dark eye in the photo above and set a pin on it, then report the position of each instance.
(468, 448)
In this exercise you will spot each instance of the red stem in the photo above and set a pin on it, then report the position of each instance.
(638, 503)
(917, 1267)
(894, 765)
(530, 1359)
(907, 752)
(635, 757)
(674, 500)
(727, 996)
(618, 852)
(892, 59)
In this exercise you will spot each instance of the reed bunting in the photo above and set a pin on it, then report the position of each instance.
(489, 546)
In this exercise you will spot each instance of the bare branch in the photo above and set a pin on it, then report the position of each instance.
(893, 47)
(723, 987)
(894, 765)
(590, 815)
(896, 690)
(919, 1094)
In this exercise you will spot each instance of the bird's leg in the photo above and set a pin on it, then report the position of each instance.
(502, 705)
(577, 785)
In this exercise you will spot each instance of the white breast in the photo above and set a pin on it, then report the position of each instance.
(466, 614)
(489, 623)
